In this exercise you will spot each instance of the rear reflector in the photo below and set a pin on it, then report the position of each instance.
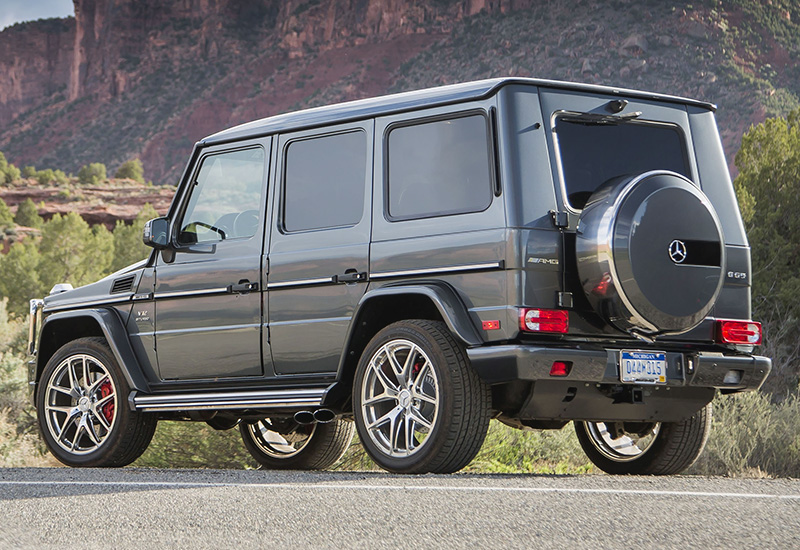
(560, 368)
(491, 325)
(739, 332)
(544, 320)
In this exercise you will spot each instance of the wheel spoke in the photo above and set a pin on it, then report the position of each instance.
(383, 379)
(104, 400)
(390, 417)
(409, 429)
(73, 379)
(397, 431)
(65, 391)
(385, 396)
(89, 427)
(395, 364)
(97, 383)
(67, 410)
(73, 414)
(97, 413)
(85, 373)
(408, 366)
(80, 427)
(417, 417)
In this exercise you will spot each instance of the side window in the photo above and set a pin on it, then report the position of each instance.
(438, 168)
(226, 198)
(324, 181)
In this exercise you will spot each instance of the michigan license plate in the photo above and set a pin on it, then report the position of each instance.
(643, 367)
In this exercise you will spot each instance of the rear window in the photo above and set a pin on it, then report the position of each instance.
(593, 153)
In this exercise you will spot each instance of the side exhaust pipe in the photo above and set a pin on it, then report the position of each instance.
(323, 416)
(304, 417)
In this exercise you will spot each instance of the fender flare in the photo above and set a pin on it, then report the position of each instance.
(115, 334)
(446, 300)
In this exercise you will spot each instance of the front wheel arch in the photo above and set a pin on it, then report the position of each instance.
(61, 328)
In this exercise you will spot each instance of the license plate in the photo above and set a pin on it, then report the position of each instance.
(643, 367)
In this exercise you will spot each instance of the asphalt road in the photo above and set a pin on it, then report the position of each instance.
(138, 508)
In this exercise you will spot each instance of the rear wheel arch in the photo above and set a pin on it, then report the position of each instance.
(60, 328)
(381, 307)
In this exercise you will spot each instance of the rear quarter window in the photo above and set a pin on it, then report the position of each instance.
(438, 168)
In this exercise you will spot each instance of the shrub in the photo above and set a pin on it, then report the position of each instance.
(28, 215)
(6, 218)
(8, 172)
(43, 177)
(29, 172)
(92, 174)
(132, 170)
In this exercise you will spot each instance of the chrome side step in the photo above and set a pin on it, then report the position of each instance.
(267, 399)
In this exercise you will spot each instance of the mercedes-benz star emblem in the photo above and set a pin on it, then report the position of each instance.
(677, 251)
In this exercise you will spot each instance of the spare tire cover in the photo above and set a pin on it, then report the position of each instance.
(650, 253)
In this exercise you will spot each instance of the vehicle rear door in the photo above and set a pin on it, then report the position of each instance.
(319, 248)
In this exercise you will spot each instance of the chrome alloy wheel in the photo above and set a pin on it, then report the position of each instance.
(81, 404)
(280, 445)
(400, 398)
(616, 443)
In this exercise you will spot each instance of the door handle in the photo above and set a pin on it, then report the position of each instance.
(243, 287)
(350, 277)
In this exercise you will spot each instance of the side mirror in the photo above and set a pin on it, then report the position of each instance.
(156, 233)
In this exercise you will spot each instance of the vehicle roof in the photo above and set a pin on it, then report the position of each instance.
(406, 101)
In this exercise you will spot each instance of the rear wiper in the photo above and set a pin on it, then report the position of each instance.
(596, 119)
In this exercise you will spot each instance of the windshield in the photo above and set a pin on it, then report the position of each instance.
(592, 152)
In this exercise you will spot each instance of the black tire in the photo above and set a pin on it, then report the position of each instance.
(82, 408)
(438, 388)
(287, 445)
(667, 447)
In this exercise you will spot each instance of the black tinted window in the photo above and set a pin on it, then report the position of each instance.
(438, 168)
(592, 153)
(324, 182)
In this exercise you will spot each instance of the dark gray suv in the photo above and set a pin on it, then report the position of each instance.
(412, 266)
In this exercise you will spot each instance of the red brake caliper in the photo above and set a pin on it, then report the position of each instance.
(108, 408)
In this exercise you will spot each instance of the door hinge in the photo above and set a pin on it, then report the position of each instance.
(560, 219)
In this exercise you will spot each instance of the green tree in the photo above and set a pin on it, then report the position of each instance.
(6, 218)
(768, 188)
(19, 276)
(29, 172)
(8, 172)
(128, 245)
(131, 169)
(73, 252)
(43, 177)
(28, 215)
(92, 174)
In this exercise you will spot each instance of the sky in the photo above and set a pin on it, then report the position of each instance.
(15, 11)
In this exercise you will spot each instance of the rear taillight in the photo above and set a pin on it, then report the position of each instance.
(738, 332)
(544, 320)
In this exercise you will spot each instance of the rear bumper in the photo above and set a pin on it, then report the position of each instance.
(592, 390)
(500, 364)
